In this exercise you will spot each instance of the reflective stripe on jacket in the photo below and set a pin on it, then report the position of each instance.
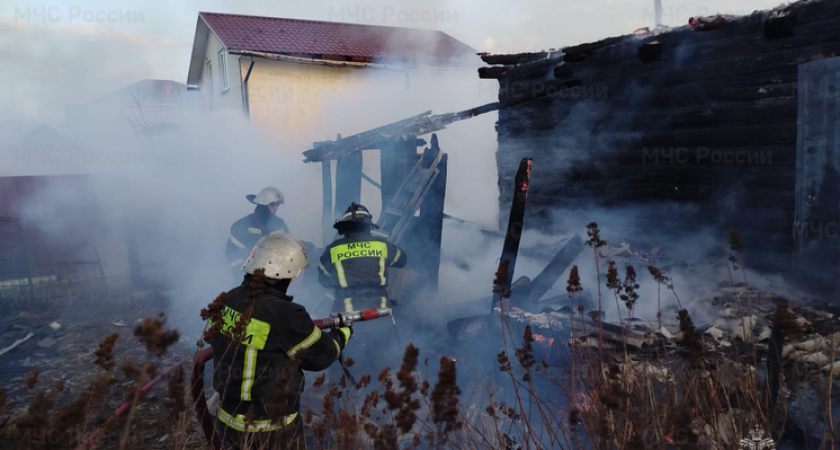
(259, 362)
(359, 260)
(245, 232)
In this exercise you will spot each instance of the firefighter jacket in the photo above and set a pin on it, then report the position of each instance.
(356, 266)
(245, 232)
(259, 366)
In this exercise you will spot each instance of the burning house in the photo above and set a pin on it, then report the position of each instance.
(728, 122)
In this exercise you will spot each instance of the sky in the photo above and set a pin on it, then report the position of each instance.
(59, 53)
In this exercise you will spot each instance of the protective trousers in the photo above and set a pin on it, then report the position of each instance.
(289, 437)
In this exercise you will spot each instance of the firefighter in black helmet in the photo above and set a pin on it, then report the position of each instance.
(356, 267)
(356, 264)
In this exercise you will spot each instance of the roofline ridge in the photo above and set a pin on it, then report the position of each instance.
(362, 25)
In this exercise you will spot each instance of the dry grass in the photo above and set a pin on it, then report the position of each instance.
(605, 397)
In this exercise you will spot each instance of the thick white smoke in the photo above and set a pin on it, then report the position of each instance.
(176, 192)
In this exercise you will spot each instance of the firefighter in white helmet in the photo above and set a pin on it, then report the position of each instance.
(262, 347)
(245, 232)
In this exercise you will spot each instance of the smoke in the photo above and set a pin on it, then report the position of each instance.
(166, 186)
(172, 197)
(695, 258)
(164, 189)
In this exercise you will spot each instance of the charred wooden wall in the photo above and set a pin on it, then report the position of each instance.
(704, 117)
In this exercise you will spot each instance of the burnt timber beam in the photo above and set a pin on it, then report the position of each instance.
(398, 214)
(431, 221)
(396, 159)
(372, 182)
(361, 141)
(348, 182)
(327, 208)
(418, 125)
(491, 73)
(581, 52)
(517, 58)
(516, 222)
(327, 217)
(421, 124)
(533, 291)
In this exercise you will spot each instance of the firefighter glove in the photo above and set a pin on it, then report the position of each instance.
(345, 333)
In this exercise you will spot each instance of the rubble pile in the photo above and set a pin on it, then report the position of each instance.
(811, 334)
(807, 333)
(792, 348)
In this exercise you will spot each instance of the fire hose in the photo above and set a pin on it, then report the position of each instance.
(207, 420)
(125, 406)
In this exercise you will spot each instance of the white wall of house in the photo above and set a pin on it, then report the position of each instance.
(300, 103)
(221, 87)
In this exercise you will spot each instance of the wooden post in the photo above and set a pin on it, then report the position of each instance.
(396, 161)
(431, 220)
(516, 222)
(348, 181)
(327, 217)
(421, 238)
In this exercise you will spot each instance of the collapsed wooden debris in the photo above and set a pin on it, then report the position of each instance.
(625, 254)
(584, 329)
(808, 336)
(707, 23)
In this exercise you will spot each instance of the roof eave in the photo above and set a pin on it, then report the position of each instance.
(202, 34)
(389, 64)
(315, 59)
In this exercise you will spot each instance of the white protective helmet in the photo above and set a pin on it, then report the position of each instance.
(266, 196)
(281, 255)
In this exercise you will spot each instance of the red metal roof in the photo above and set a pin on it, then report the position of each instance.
(309, 37)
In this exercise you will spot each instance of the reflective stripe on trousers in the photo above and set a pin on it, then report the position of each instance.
(348, 304)
(238, 422)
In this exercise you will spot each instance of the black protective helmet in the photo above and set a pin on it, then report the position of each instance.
(356, 217)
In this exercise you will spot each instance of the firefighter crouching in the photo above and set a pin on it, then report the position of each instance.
(265, 343)
(356, 266)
